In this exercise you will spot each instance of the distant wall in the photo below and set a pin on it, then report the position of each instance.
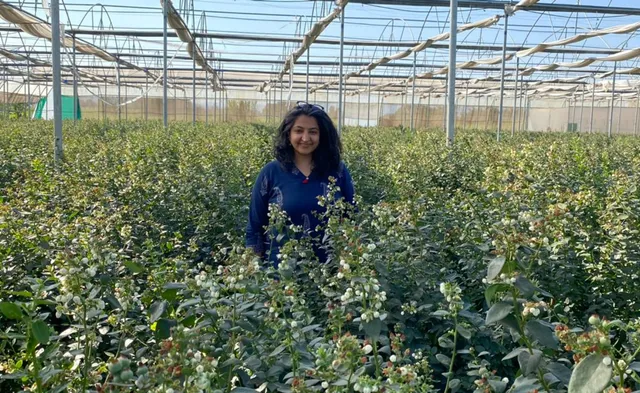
(252, 106)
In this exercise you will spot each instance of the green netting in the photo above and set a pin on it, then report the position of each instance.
(67, 108)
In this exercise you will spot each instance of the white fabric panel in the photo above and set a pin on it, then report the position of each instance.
(622, 56)
(628, 71)
(12, 56)
(625, 29)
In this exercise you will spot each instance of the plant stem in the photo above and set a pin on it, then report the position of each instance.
(87, 349)
(453, 355)
(375, 357)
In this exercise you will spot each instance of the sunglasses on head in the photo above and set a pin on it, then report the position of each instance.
(304, 104)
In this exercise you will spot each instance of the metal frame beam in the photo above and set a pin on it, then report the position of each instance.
(499, 5)
(288, 39)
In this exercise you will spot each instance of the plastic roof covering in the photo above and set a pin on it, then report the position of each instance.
(418, 48)
(630, 71)
(309, 38)
(484, 23)
(39, 28)
(40, 63)
(182, 30)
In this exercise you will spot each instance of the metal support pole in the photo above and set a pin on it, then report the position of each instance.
(515, 99)
(193, 86)
(104, 104)
(340, 75)
(502, 72)
(57, 88)
(593, 104)
(487, 111)
(444, 105)
(206, 97)
(527, 110)
(613, 97)
(402, 102)
(477, 112)
(466, 103)
(75, 81)
(453, 44)
(281, 98)
(521, 98)
(620, 114)
(165, 108)
(118, 89)
(28, 90)
(369, 102)
(306, 96)
(146, 97)
(413, 92)
(581, 110)
(635, 127)
(344, 103)
(358, 109)
(568, 112)
(429, 110)
(327, 106)
(215, 106)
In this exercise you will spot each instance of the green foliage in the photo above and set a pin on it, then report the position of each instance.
(461, 270)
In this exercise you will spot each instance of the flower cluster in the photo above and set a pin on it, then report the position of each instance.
(533, 308)
(452, 292)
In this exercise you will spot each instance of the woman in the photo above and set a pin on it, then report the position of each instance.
(307, 152)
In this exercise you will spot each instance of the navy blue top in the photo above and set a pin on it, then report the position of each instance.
(298, 197)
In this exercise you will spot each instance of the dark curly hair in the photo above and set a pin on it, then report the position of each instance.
(326, 157)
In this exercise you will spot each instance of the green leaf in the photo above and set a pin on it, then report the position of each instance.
(175, 285)
(278, 350)
(493, 289)
(40, 331)
(495, 267)
(498, 312)
(156, 310)
(541, 333)
(372, 328)
(26, 294)
(562, 372)
(525, 385)
(134, 267)
(464, 332)
(244, 390)
(498, 386)
(533, 362)
(514, 353)
(163, 328)
(10, 310)
(527, 289)
(444, 359)
(386, 350)
(454, 385)
(591, 375)
(445, 342)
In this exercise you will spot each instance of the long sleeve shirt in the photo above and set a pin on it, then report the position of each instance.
(296, 195)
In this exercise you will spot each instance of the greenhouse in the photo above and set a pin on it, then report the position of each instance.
(475, 228)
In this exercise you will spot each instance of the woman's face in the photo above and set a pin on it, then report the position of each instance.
(305, 135)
